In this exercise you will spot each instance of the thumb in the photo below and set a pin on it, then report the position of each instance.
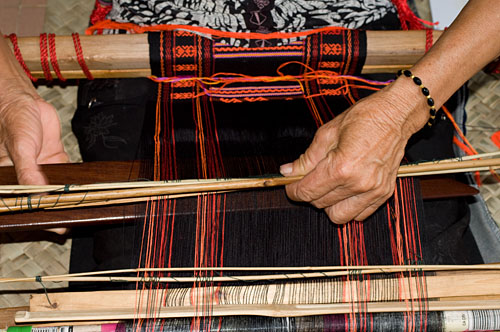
(323, 142)
(24, 156)
(30, 175)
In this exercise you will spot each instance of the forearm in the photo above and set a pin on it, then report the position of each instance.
(470, 43)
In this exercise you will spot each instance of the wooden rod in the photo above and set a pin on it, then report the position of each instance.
(270, 310)
(114, 56)
(330, 290)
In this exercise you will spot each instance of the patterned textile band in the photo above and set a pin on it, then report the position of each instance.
(340, 52)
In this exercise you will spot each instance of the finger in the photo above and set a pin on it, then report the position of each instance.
(5, 161)
(337, 194)
(57, 158)
(357, 207)
(52, 149)
(60, 231)
(370, 209)
(347, 209)
(326, 177)
(324, 140)
(356, 182)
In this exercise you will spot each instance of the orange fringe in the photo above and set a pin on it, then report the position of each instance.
(465, 145)
(131, 27)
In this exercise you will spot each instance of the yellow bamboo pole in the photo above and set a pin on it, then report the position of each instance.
(34, 202)
(114, 56)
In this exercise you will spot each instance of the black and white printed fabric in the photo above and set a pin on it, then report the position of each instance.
(252, 15)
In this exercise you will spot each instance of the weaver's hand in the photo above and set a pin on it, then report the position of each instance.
(29, 133)
(29, 127)
(351, 164)
(350, 167)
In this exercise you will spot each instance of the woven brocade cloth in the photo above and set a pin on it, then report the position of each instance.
(252, 15)
(338, 51)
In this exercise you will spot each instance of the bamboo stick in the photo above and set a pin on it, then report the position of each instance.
(44, 201)
(175, 188)
(33, 189)
(111, 56)
(271, 310)
(447, 166)
(325, 271)
(463, 158)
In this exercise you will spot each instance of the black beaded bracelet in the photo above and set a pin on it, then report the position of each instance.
(425, 92)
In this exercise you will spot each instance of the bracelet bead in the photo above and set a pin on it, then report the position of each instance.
(425, 92)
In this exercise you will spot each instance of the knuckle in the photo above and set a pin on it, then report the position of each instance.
(337, 168)
(296, 192)
(304, 160)
(338, 216)
(305, 194)
(346, 173)
(321, 134)
(366, 185)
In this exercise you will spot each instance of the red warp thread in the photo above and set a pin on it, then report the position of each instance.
(44, 57)
(53, 57)
(406, 16)
(408, 19)
(79, 56)
(429, 39)
(19, 57)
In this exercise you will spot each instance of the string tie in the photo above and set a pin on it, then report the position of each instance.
(79, 56)
(39, 280)
(19, 57)
(28, 199)
(44, 57)
(53, 57)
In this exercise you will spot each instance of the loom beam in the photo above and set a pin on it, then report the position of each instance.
(125, 56)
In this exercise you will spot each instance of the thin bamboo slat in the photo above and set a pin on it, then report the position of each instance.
(423, 167)
(271, 310)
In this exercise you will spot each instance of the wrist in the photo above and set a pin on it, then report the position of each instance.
(412, 105)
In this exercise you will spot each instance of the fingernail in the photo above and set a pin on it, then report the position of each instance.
(286, 169)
